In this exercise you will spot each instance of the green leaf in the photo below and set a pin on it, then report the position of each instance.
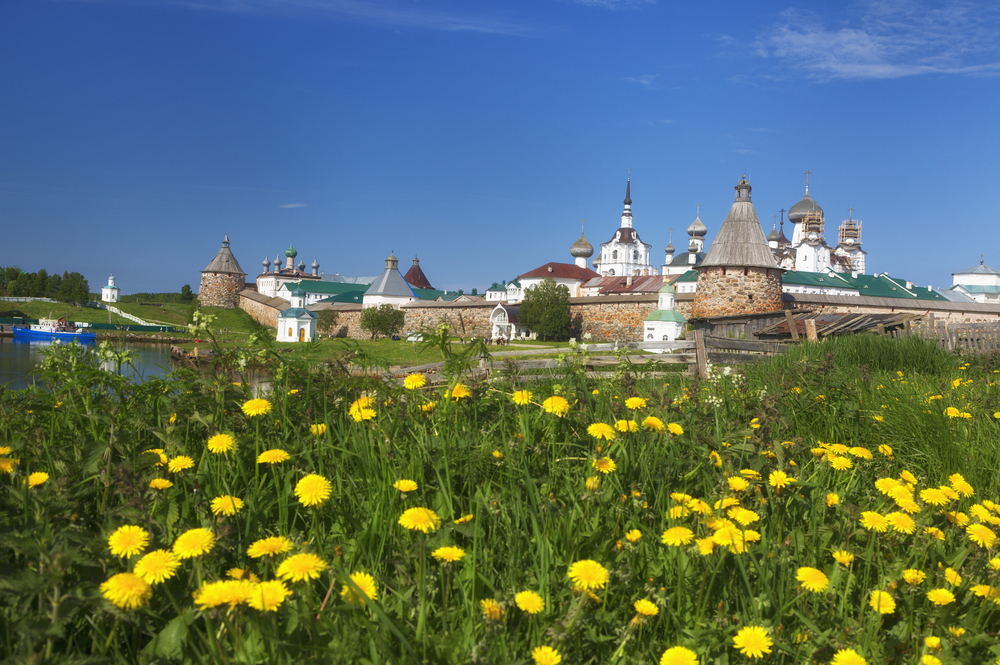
(169, 642)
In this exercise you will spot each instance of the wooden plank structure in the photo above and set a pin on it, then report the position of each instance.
(825, 325)
(697, 354)
(964, 337)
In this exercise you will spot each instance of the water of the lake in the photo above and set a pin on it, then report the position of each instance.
(18, 358)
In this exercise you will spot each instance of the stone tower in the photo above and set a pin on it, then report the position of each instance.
(739, 275)
(222, 280)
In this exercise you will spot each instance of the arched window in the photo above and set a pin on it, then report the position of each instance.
(290, 335)
(611, 272)
(635, 256)
(614, 255)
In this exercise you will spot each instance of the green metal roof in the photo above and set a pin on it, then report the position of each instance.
(348, 296)
(818, 279)
(296, 313)
(318, 286)
(689, 276)
(977, 288)
(666, 315)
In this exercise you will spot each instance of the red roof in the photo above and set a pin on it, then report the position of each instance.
(562, 271)
(618, 284)
(415, 277)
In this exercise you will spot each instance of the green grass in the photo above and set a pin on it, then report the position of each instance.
(529, 479)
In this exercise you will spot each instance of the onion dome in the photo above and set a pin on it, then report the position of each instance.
(666, 288)
(670, 248)
(266, 263)
(804, 207)
(290, 252)
(301, 266)
(315, 265)
(277, 261)
(581, 248)
(774, 236)
(697, 229)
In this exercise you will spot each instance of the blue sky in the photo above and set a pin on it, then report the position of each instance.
(477, 134)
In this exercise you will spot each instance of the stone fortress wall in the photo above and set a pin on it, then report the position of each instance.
(731, 291)
(220, 289)
(608, 318)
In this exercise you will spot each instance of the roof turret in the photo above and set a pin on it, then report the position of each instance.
(774, 236)
(315, 264)
(670, 248)
(583, 249)
(290, 252)
(415, 276)
(266, 263)
(697, 229)
(666, 288)
(804, 207)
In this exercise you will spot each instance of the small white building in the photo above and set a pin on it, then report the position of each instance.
(110, 293)
(297, 324)
(504, 323)
(665, 323)
(980, 283)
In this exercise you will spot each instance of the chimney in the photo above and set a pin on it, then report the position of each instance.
(854, 274)
(909, 285)
(628, 281)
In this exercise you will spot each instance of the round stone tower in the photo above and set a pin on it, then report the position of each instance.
(739, 275)
(222, 280)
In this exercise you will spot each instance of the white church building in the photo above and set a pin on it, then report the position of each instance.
(110, 293)
(297, 324)
(625, 253)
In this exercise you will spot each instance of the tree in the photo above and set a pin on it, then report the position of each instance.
(545, 309)
(382, 320)
(186, 294)
(326, 320)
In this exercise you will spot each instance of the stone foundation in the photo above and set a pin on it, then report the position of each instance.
(731, 291)
(221, 289)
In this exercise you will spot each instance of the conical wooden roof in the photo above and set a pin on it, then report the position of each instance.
(224, 261)
(740, 241)
(415, 276)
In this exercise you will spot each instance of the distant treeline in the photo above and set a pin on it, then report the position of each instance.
(185, 297)
(67, 287)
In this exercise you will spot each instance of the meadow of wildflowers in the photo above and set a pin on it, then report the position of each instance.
(835, 505)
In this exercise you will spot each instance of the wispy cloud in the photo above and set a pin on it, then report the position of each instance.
(883, 39)
(646, 80)
(616, 4)
(294, 205)
(742, 149)
(375, 12)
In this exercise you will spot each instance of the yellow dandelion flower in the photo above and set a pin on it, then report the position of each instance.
(588, 574)
(128, 540)
(832, 500)
(491, 609)
(301, 567)
(715, 459)
(604, 465)
(459, 392)
(882, 602)
(414, 381)
(840, 463)
(221, 443)
(256, 407)
(940, 596)
(313, 490)
(874, 521)
(601, 431)
(366, 586)
(545, 655)
(908, 477)
(180, 463)
(912, 576)
(242, 574)
(752, 641)
(273, 456)
(959, 484)
(268, 596)
(705, 545)
(318, 429)
(160, 484)
(952, 576)
(678, 656)
(884, 449)
(675, 429)
(933, 496)
(405, 486)
(592, 483)
(530, 602)
(677, 536)
(653, 424)
(626, 425)
(901, 523)
(956, 631)
(424, 520)
(226, 505)
(126, 590)
(633, 536)
(843, 557)
(522, 397)
(646, 608)
(859, 452)
(932, 642)
(269, 547)
(780, 480)
(848, 657)
(737, 484)
(448, 554)
(934, 532)
(812, 579)
(157, 566)
(635, 403)
(886, 485)
(225, 592)
(556, 405)
(194, 542)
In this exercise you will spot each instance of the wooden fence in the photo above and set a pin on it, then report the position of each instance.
(967, 337)
(696, 353)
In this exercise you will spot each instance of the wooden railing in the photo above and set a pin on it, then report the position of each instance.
(967, 337)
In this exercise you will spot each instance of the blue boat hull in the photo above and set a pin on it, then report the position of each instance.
(28, 333)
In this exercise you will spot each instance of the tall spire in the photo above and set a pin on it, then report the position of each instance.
(628, 190)
(627, 211)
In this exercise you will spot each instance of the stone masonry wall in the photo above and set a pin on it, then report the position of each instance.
(220, 289)
(259, 312)
(731, 291)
